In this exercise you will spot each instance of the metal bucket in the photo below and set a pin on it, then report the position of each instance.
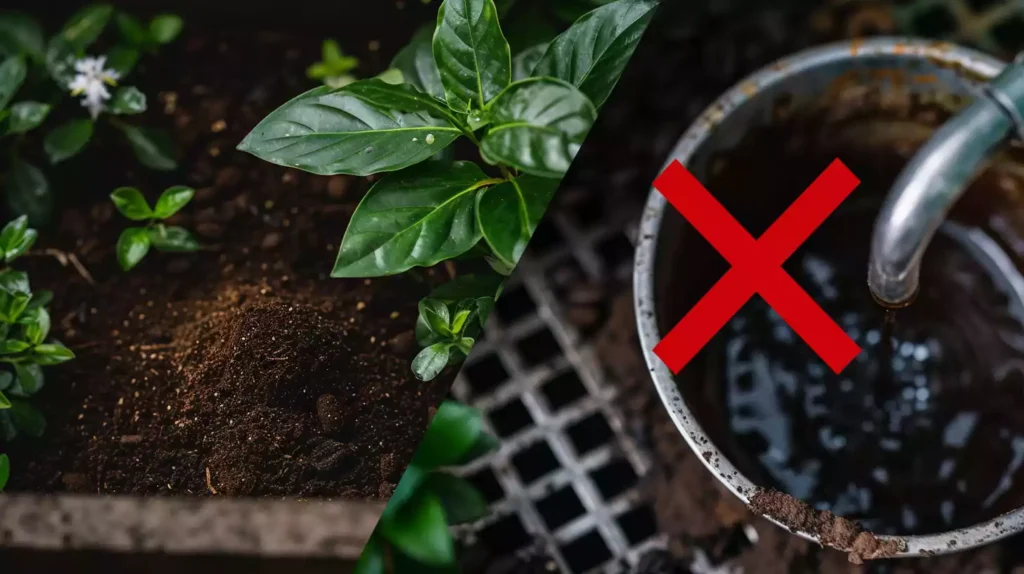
(807, 75)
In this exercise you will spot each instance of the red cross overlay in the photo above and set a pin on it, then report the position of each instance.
(756, 266)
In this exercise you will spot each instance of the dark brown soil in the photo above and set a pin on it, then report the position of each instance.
(243, 369)
(832, 530)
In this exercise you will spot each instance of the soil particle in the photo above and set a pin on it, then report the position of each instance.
(328, 410)
(832, 530)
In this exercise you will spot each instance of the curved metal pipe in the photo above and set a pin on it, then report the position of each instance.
(932, 182)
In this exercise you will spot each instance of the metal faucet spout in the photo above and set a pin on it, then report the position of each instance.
(934, 180)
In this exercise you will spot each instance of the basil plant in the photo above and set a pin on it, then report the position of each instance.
(527, 115)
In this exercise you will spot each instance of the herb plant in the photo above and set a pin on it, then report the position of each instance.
(24, 344)
(527, 115)
(39, 76)
(413, 534)
(135, 242)
(334, 68)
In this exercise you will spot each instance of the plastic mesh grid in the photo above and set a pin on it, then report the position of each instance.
(991, 25)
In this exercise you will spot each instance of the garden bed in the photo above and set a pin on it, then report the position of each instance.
(243, 368)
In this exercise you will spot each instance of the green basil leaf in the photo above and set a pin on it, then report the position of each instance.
(508, 214)
(28, 192)
(39, 328)
(15, 282)
(594, 51)
(329, 132)
(416, 62)
(537, 126)
(471, 53)
(132, 30)
(371, 560)
(401, 97)
(5, 463)
(67, 140)
(52, 354)
(29, 379)
(484, 306)
(391, 76)
(21, 34)
(459, 321)
(13, 347)
(27, 116)
(173, 239)
(40, 299)
(420, 530)
(5, 403)
(12, 74)
(429, 362)
(172, 200)
(410, 483)
(132, 246)
(122, 59)
(153, 147)
(60, 61)
(484, 444)
(436, 315)
(451, 434)
(417, 217)
(468, 287)
(165, 28)
(524, 62)
(425, 336)
(13, 232)
(27, 419)
(465, 346)
(128, 100)
(85, 26)
(461, 501)
(131, 203)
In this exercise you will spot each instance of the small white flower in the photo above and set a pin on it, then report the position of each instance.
(91, 81)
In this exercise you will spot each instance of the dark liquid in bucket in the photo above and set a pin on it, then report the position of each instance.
(924, 431)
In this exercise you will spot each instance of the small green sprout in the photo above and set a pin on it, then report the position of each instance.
(135, 242)
(335, 67)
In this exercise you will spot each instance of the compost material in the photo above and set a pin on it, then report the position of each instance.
(243, 369)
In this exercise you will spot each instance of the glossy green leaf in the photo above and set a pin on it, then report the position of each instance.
(12, 74)
(461, 501)
(594, 51)
(509, 213)
(12, 281)
(132, 246)
(128, 100)
(52, 354)
(40, 298)
(425, 335)
(471, 53)
(27, 419)
(29, 378)
(416, 62)
(420, 530)
(464, 346)
(410, 483)
(537, 126)
(153, 147)
(400, 97)
(459, 320)
(21, 34)
(371, 561)
(60, 60)
(436, 315)
(172, 200)
(328, 132)
(5, 463)
(173, 239)
(28, 192)
(132, 30)
(67, 140)
(27, 116)
(468, 287)
(485, 444)
(16, 238)
(417, 217)
(13, 347)
(83, 28)
(131, 203)
(524, 62)
(165, 28)
(12, 306)
(484, 306)
(5, 403)
(429, 362)
(37, 330)
(122, 59)
(451, 434)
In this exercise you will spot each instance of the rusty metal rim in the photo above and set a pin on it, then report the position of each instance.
(968, 60)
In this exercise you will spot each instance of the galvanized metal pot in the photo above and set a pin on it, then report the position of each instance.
(955, 70)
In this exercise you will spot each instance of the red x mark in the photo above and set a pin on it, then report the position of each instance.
(756, 266)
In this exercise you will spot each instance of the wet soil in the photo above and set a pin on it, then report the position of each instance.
(242, 369)
(932, 440)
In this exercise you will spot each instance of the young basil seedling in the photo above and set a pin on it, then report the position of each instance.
(527, 115)
(135, 242)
